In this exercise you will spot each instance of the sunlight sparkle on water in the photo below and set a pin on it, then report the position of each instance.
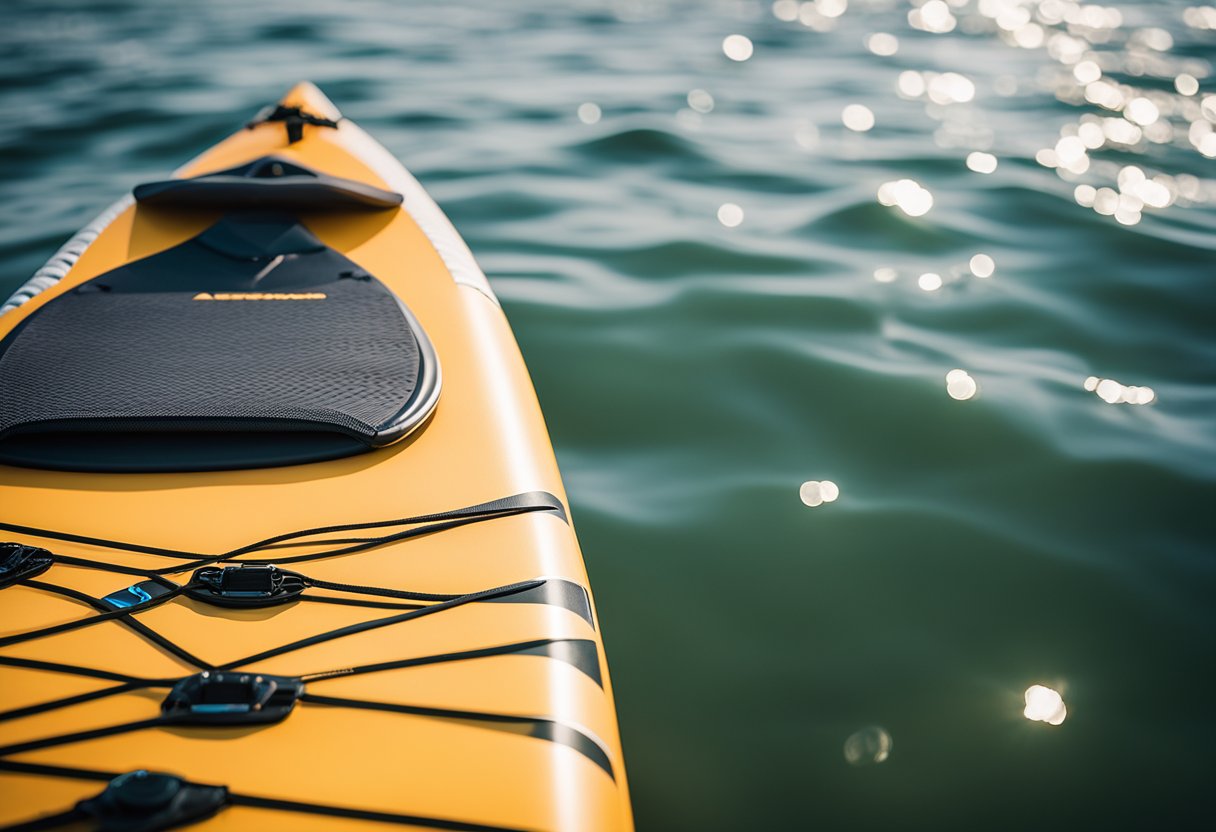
(1112, 392)
(886, 274)
(817, 492)
(857, 117)
(1044, 705)
(737, 47)
(831, 8)
(1029, 36)
(907, 195)
(1121, 131)
(929, 281)
(934, 16)
(1200, 17)
(869, 746)
(882, 44)
(1070, 154)
(1091, 134)
(730, 214)
(589, 113)
(786, 10)
(1141, 111)
(1134, 183)
(1106, 201)
(960, 385)
(1086, 72)
(982, 265)
(1104, 94)
(701, 101)
(950, 88)
(981, 162)
(911, 84)
(1186, 84)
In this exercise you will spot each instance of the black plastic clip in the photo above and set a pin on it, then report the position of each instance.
(231, 698)
(18, 562)
(146, 801)
(294, 118)
(248, 585)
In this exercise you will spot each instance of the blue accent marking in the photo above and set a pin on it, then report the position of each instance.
(117, 600)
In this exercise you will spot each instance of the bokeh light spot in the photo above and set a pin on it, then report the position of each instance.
(1044, 705)
(730, 214)
(982, 265)
(869, 746)
(857, 117)
(737, 47)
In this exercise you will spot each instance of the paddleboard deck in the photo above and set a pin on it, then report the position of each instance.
(371, 610)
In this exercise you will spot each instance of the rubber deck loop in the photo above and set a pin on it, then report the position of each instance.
(138, 626)
(68, 701)
(81, 736)
(423, 524)
(235, 799)
(448, 602)
(505, 506)
(56, 821)
(175, 591)
(133, 683)
(375, 624)
(85, 622)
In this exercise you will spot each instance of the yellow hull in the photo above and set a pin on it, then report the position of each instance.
(486, 440)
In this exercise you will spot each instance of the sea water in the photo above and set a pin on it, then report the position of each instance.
(948, 264)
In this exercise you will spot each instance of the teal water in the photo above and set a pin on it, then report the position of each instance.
(766, 653)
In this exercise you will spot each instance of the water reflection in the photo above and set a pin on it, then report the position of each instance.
(882, 44)
(730, 214)
(817, 492)
(869, 746)
(589, 113)
(1186, 84)
(1044, 705)
(701, 101)
(949, 88)
(981, 162)
(1200, 17)
(934, 16)
(982, 265)
(738, 47)
(857, 117)
(929, 281)
(906, 194)
(911, 84)
(960, 385)
(1113, 392)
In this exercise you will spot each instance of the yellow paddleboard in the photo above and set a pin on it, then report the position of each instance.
(286, 545)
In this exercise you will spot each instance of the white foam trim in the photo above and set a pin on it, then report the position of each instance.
(61, 262)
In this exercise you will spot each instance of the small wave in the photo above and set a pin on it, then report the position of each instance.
(640, 145)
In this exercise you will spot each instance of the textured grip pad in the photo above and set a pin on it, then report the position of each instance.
(347, 360)
(194, 339)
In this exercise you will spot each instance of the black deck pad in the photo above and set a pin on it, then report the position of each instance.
(252, 344)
